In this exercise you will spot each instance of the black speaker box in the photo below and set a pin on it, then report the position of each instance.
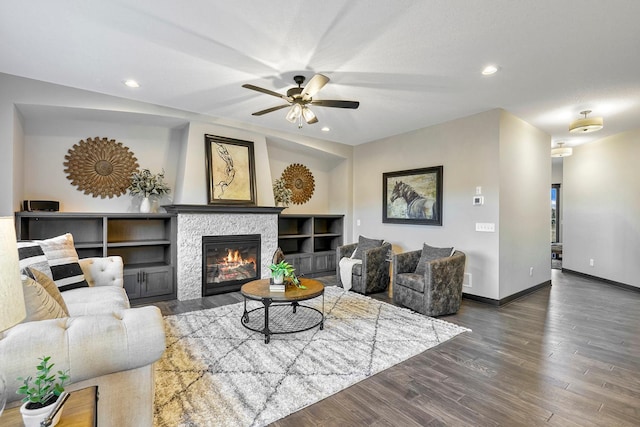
(40, 205)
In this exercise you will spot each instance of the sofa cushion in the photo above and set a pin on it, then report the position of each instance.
(429, 253)
(38, 303)
(48, 284)
(32, 255)
(364, 244)
(96, 300)
(63, 261)
(410, 280)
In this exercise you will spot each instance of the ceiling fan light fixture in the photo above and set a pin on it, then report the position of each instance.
(561, 150)
(308, 115)
(586, 124)
(294, 113)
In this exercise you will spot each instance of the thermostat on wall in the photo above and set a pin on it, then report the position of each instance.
(478, 200)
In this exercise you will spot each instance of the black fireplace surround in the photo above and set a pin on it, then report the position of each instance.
(228, 262)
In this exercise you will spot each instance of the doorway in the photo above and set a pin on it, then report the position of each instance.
(556, 237)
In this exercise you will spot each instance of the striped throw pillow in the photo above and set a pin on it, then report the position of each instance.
(32, 255)
(63, 261)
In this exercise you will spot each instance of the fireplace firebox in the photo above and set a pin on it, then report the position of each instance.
(228, 262)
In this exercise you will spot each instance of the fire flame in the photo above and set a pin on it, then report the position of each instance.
(234, 257)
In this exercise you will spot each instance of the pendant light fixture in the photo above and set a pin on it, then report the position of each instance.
(561, 150)
(585, 124)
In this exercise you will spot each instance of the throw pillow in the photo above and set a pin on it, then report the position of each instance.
(364, 244)
(49, 285)
(63, 261)
(32, 255)
(429, 253)
(38, 303)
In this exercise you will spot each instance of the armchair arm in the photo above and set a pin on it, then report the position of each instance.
(376, 258)
(346, 250)
(406, 262)
(88, 346)
(103, 271)
(343, 251)
(444, 277)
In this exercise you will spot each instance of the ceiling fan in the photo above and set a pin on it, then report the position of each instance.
(299, 98)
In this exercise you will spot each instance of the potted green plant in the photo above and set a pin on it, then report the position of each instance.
(283, 270)
(146, 184)
(41, 393)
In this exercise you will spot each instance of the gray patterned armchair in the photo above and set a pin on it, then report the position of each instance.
(373, 274)
(436, 291)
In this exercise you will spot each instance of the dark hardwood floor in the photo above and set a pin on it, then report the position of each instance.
(566, 355)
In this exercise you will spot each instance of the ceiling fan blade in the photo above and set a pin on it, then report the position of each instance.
(336, 104)
(270, 110)
(316, 83)
(267, 91)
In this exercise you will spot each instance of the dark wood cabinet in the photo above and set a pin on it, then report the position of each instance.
(309, 242)
(146, 243)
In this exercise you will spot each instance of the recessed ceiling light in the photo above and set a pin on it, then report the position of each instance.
(325, 129)
(131, 83)
(489, 69)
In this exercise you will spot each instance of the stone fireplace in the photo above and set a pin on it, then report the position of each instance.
(198, 221)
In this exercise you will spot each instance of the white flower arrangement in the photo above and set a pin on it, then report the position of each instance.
(281, 194)
(145, 184)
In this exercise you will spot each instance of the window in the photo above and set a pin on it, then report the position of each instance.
(555, 213)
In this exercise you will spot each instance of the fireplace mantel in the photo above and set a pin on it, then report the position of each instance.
(222, 209)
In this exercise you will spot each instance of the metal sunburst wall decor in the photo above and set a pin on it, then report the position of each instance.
(100, 167)
(299, 179)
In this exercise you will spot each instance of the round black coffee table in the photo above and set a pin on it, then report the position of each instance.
(281, 312)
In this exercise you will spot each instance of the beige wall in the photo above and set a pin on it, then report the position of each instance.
(57, 117)
(494, 150)
(525, 180)
(602, 209)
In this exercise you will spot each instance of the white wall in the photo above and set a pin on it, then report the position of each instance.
(602, 209)
(468, 150)
(525, 181)
(192, 179)
(504, 156)
(47, 142)
(179, 135)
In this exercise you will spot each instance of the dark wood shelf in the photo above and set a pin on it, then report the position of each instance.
(146, 243)
(309, 242)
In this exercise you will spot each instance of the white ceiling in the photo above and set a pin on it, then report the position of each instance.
(411, 64)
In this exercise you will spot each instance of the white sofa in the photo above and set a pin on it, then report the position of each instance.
(104, 342)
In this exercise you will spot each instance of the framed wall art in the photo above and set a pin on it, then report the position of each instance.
(230, 171)
(412, 196)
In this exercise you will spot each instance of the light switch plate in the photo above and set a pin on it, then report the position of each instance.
(487, 227)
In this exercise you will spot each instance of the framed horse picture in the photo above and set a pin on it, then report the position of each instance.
(412, 196)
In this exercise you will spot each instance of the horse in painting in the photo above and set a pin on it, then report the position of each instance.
(418, 207)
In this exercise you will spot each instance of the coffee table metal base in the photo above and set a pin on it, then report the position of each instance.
(277, 318)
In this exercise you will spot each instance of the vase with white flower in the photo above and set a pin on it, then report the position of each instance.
(148, 185)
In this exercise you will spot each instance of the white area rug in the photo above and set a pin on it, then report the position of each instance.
(216, 372)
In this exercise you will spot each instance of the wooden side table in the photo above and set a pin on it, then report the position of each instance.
(79, 411)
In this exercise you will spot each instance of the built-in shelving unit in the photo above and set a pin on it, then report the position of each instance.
(146, 243)
(309, 242)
